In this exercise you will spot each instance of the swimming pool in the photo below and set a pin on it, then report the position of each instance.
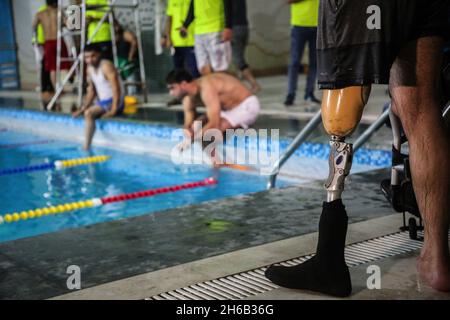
(123, 173)
(139, 161)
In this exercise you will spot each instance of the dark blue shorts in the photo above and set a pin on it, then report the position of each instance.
(107, 104)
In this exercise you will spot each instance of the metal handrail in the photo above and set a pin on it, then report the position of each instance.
(372, 129)
(309, 128)
(299, 139)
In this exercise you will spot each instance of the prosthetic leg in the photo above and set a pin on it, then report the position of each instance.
(327, 271)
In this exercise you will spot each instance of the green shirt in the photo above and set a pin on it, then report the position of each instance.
(40, 31)
(305, 13)
(104, 33)
(209, 16)
(178, 10)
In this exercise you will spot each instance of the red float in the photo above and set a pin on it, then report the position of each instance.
(153, 192)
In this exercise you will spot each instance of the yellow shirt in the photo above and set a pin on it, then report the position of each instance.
(305, 13)
(209, 16)
(40, 31)
(178, 10)
(104, 33)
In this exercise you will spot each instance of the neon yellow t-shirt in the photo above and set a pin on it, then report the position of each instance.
(178, 10)
(209, 16)
(104, 33)
(305, 13)
(40, 31)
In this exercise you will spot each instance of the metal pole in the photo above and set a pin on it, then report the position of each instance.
(81, 55)
(374, 127)
(113, 36)
(102, 21)
(446, 112)
(299, 139)
(58, 45)
(137, 19)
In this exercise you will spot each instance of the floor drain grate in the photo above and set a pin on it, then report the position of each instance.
(251, 283)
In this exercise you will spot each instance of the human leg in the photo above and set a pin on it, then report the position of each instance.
(327, 271)
(297, 47)
(90, 116)
(312, 71)
(415, 100)
(202, 55)
(191, 62)
(219, 52)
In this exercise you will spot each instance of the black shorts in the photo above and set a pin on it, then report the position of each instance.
(353, 49)
(46, 81)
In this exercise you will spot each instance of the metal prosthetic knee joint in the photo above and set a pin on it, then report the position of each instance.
(341, 112)
(340, 162)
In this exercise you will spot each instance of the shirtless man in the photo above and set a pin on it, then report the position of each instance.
(105, 85)
(48, 18)
(229, 104)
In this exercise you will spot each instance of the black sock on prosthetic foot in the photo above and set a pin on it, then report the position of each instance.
(327, 271)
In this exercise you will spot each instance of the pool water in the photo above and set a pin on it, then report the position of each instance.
(123, 173)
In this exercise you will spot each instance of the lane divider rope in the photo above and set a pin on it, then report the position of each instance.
(59, 164)
(96, 202)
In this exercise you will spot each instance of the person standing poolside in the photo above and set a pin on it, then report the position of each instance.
(104, 84)
(213, 33)
(240, 41)
(401, 47)
(102, 39)
(48, 19)
(184, 51)
(304, 18)
(46, 87)
(183, 55)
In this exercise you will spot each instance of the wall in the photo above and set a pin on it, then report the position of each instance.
(8, 58)
(23, 17)
(270, 35)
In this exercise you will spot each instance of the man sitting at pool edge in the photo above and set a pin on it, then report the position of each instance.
(104, 84)
(229, 104)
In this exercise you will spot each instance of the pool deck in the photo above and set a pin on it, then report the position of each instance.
(398, 274)
(274, 115)
(271, 97)
(121, 259)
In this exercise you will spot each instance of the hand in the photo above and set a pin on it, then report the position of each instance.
(183, 32)
(227, 34)
(166, 42)
(78, 113)
(186, 144)
(189, 134)
(163, 42)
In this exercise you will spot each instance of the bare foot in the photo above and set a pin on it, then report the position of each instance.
(434, 272)
(86, 148)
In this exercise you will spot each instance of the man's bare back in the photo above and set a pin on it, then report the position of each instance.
(230, 90)
(49, 21)
(229, 104)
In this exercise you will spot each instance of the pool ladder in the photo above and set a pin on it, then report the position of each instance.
(306, 132)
